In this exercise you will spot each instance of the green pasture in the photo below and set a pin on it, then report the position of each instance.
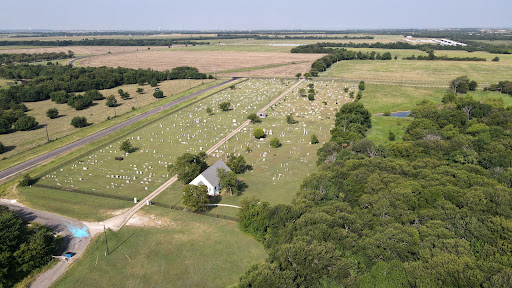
(160, 143)
(439, 72)
(184, 250)
(381, 125)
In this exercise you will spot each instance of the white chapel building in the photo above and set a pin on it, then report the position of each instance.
(210, 179)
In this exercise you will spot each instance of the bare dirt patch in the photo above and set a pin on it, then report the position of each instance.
(141, 219)
(205, 61)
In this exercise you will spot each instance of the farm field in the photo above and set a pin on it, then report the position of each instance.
(166, 248)
(206, 62)
(278, 172)
(160, 143)
(425, 71)
(59, 127)
(78, 50)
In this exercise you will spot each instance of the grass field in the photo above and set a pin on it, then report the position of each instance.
(4, 83)
(278, 172)
(188, 130)
(424, 71)
(60, 127)
(172, 249)
(381, 125)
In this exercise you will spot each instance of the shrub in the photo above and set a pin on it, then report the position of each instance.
(119, 158)
(224, 106)
(232, 87)
(158, 94)
(79, 102)
(2, 148)
(311, 97)
(26, 180)
(361, 85)
(126, 146)
(79, 122)
(391, 136)
(254, 118)
(359, 95)
(386, 113)
(94, 95)
(52, 113)
(258, 133)
(346, 89)
(209, 111)
(275, 143)
(25, 123)
(314, 139)
(125, 95)
(140, 90)
(290, 119)
(496, 59)
(153, 83)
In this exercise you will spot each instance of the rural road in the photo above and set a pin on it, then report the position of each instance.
(75, 233)
(7, 173)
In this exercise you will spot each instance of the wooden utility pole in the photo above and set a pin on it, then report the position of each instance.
(106, 242)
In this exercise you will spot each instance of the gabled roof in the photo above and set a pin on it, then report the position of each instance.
(210, 174)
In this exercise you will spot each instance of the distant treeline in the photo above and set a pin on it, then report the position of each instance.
(58, 83)
(343, 54)
(327, 47)
(433, 57)
(27, 58)
(103, 42)
(502, 86)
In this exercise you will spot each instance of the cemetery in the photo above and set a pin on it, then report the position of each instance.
(191, 129)
(277, 173)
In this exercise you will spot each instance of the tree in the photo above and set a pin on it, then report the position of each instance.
(111, 101)
(290, 119)
(359, 95)
(258, 133)
(228, 181)
(2, 148)
(153, 83)
(188, 166)
(237, 164)
(496, 59)
(25, 123)
(79, 122)
(298, 75)
(391, 136)
(275, 143)
(311, 97)
(79, 102)
(196, 197)
(472, 85)
(307, 75)
(125, 96)
(232, 87)
(314, 139)
(52, 113)
(139, 90)
(126, 146)
(209, 111)
(121, 92)
(224, 106)
(94, 95)
(158, 94)
(254, 118)
(362, 85)
(460, 84)
(5, 126)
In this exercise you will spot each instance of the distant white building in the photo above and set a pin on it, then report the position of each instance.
(210, 179)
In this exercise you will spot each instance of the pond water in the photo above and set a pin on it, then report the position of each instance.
(402, 114)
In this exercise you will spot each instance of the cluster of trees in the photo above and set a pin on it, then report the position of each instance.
(23, 249)
(433, 210)
(12, 118)
(432, 56)
(36, 57)
(102, 42)
(502, 86)
(336, 55)
(311, 91)
(463, 84)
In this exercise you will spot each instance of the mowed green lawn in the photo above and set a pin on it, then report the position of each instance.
(184, 250)
(382, 125)
(424, 71)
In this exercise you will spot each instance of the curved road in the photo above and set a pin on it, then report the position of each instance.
(75, 233)
(37, 160)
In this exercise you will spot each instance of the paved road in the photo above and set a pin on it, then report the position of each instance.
(7, 173)
(75, 233)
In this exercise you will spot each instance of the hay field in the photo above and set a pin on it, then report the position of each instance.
(78, 50)
(60, 127)
(205, 61)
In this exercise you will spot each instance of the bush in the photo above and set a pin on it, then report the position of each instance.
(359, 95)
(386, 113)
(391, 136)
(26, 180)
(158, 94)
(209, 111)
(224, 106)
(79, 122)
(52, 113)
(2, 148)
(254, 118)
(25, 123)
(119, 158)
(153, 83)
(314, 139)
(79, 102)
(140, 90)
(126, 146)
(258, 133)
(311, 97)
(290, 119)
(111, 101)
(361, 85)
(275, 143)
(496, 59)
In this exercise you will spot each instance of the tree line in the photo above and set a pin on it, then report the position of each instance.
(431, 56)
(35, 57)
(23, 248)
(502, 86)
(433, 209)
(102, 42)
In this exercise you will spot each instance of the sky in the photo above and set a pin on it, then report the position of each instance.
(253, 15)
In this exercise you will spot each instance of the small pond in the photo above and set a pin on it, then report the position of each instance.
(402, 114)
